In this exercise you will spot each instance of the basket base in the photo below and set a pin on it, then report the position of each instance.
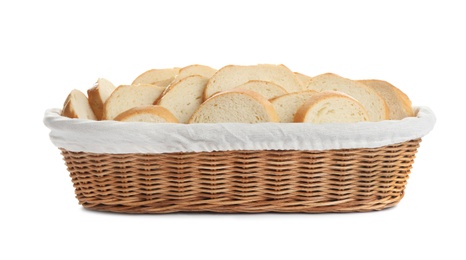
(355, 206)
(347, 180)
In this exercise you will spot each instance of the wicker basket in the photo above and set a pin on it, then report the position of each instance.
(253, 181)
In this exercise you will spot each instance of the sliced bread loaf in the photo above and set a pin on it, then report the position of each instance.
(398, 102)
(98, 94)
(77, 106)
(239, 106)
(287, 105)
(184, 97)
(152, 113)
(231, 76)
(368, 97)
(126, 97)
(195, 69)
(156, 76)
(331, 107)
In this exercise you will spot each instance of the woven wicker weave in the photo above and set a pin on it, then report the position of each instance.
(349, 180)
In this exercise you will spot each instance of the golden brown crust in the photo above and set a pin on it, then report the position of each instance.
(77, 106)
(150, 110)
(96, 102)
(68, 110)
(405, 102)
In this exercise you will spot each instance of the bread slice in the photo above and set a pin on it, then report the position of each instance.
(156, 76)
(98, 94)
(368, 97)
(231, 76)
(303, 78)
(238, 106)
(267, 89)
(77, 106)
(331, 107)
(125, 97)
(398, 103)
(195, 69)
(287, 105)
(184, 97)
(152, 113)
(164, 83)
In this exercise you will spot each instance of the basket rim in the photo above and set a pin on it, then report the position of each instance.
(114, 137)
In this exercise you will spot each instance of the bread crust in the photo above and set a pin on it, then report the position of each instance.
(251, 83)
(403, 99)
(156, 76)
(193, 88)
(273, 117)
(291, 85)
(109, 106)
(96, 98)
(288, 111)
(322, 96)
(323, 82)
(195, 69)
(155, 110)
(74, 99)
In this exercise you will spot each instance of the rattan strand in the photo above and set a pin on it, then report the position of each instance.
(349, 180)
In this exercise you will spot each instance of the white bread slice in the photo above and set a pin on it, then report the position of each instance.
(368, 97)
(231, 76)
(267, 89)
(287, 105)
(238, 106)
(98, 94)
(125, 97)
(77, 106)
(184, 97)
(156, 76)
(164, 83)
(195, 69)
(303, 78)
(398, 103)
(152, 113)
(331, 107)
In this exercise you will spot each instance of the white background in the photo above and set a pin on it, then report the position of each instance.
(47, 48)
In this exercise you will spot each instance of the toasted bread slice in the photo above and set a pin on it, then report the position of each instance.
(367, 96)
(331, 107)
(287, 105)
(125, 97)
(157, 76)
(238, 106)
(398, 102)
(232, 76)
(98, 94)
(77, 106)
(267, 89)
(184, 97)
(152, 113)
(195, 69)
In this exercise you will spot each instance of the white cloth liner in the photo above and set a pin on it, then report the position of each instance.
(127, 137)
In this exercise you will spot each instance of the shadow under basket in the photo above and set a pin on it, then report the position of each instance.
(344, 180)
